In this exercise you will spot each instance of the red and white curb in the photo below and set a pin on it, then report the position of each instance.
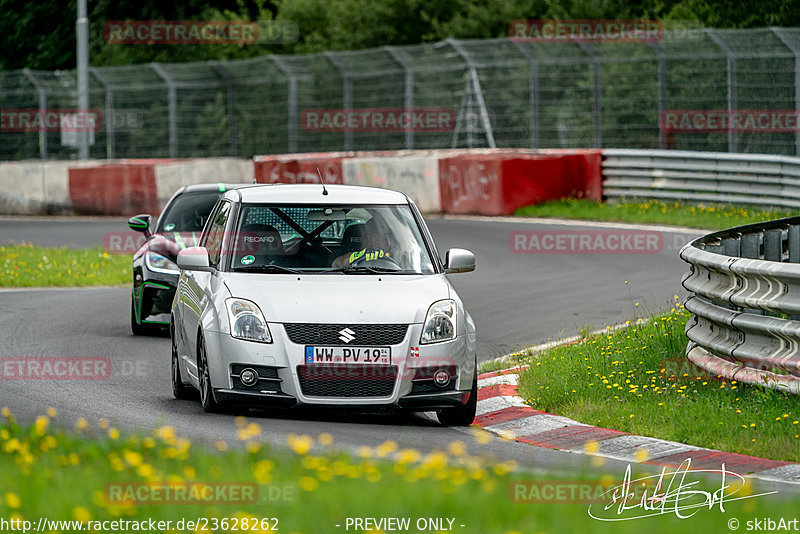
(502, 411)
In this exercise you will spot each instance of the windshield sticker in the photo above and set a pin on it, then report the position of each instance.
(247, 260)
(169, 227)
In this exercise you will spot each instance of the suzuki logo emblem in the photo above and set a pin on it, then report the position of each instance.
(347, 335)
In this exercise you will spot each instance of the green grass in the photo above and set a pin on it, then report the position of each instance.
(77, 475)
(30, 266)
(637, 380)
(709, 216)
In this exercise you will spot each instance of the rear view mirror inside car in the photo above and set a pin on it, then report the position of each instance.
(327, 214)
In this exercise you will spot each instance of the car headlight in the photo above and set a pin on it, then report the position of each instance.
(440, 323)
(160, 264)
(247, 322)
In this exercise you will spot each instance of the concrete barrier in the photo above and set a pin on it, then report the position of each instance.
(416, 176)
(37, 187)
(114, 189)
(499, 182)
(173, 175)
(484, 181)
(299, 168)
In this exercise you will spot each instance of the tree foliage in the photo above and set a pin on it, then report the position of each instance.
(41, 35)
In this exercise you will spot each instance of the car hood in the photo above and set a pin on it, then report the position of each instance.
(336, 298)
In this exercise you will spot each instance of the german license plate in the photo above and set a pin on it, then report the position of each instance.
(359, 355)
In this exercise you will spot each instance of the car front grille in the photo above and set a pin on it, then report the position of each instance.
(342, 380)
(336, 334)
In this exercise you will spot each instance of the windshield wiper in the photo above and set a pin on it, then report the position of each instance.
(267, 269)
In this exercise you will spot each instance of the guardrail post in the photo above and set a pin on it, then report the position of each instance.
(779, 32)
(42, 92)
(794, 244)
(731, 246)
(409, 91)
(750, 245)
(291, 129)
(172, 90)
(348, 95)
(533, 99)
(733, 138)
(773, 241)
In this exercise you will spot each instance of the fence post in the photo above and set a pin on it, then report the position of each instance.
(173, 108)
(292, 111)
(409, 92)
(596, 107)
(233, 127)
(108, 123)
(662, 91)
(796, 52)
(533, 99)
(476, 86)
(733, 138)
(42, 92)
(348, 95)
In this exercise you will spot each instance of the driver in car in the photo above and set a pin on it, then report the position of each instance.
(376, 243)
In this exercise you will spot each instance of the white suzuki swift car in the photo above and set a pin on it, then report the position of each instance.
(301, 296)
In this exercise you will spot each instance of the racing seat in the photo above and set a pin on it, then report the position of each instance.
(262, 241)
(352, 238)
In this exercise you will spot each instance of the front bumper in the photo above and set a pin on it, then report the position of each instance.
(285, 379)
(153, 298)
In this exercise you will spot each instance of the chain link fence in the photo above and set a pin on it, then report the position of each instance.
(501, 92)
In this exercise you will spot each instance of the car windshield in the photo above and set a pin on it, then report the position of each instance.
(188, 212)
(363, 239)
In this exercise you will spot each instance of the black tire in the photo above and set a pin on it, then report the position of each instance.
(461, 415)
(180, 390)
(207, 399)
(136, 328)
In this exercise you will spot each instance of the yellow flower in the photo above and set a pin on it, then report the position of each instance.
(113, 433)
(145, 470)
(51, 412)
(81, 424)
(133, 458)
(79, 513)
(300, 444)
(308, 483)
(102, 423)
(325, 439)
(12, 500)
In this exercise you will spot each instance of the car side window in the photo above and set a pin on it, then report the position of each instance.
(216, 232)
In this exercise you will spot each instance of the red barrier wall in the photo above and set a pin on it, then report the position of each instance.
(498, 183)
(125, 188)
(301, 169)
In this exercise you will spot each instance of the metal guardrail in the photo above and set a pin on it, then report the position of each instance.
(745, 285)
(750, 179)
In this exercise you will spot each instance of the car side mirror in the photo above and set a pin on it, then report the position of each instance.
(194, 259)
(458, 260)
(140, 223)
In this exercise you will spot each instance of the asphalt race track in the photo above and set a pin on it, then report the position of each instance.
(516, 300)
